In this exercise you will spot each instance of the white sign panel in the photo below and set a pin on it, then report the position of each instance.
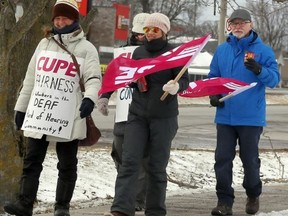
(52, 105)
(124, 95)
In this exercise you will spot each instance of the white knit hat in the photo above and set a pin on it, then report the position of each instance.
(158, 20)
(67, 8)
(138, 22)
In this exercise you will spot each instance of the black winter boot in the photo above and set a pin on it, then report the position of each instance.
(24, 205)
(222, 209)
(64, 193)
(61, 210)
(252, 205)
(20, 207)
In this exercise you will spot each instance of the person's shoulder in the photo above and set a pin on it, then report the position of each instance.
(223, 45)
(170, 45)
(44, 40)
(261, 45)
(43, 43)
(139, 52)
(139, 49)
(86, 44)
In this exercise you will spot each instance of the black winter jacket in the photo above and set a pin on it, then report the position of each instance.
(148, 104)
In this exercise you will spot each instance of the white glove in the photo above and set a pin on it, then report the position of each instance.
(171, 87)
(102, 106)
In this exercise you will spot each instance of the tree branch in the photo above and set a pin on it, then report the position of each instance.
(86, 21)
(30, 17)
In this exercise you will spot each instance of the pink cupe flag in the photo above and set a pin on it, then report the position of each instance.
(214, 86)
(122, 71)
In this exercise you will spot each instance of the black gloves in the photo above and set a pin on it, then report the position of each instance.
(254, 66)
(86, 107)
(19, 119)
(214, 101)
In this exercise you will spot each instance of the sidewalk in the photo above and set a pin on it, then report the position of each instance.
(273, 198)
(279, 91)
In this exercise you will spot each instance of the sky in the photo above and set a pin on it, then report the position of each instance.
(95, 183)
(208, 11)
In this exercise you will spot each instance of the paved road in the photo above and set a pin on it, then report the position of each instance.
(197, 129)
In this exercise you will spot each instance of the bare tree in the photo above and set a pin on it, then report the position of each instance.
(207, 27)
(270, 22)
(183, 14)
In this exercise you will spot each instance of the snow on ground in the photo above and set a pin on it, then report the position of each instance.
(190, 168)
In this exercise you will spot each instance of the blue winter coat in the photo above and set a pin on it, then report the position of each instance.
(247, 108)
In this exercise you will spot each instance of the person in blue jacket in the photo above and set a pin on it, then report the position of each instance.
(241, 119)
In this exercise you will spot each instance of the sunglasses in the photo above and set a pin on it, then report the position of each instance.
(153, 29)
(138, 35)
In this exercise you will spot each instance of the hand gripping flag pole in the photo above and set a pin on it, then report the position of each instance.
(165, 94)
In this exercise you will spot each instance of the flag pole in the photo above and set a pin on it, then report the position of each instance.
(226, 97)
(165, 94)
(237, 91)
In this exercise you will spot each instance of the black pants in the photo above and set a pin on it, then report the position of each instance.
(248, 139)
(116, 154)
(154, 136)
(35, 155)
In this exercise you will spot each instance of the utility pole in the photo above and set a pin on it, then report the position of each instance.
(222, 21)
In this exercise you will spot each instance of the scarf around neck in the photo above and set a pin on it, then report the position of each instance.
(67, 29)
(155, 45)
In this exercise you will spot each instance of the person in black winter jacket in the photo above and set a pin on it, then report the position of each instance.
(136, 39)
(152, 124)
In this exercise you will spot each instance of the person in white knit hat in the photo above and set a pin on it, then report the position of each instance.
(137, 33)
(136, 39)
(158, 20)
(151, 126)
(52, 78)
(138, 22)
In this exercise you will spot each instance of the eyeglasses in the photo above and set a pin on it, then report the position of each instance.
(153, 29)
(241, 24)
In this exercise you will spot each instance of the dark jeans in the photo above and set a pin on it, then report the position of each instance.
(153, 136)
(248, 139)
(35, 155)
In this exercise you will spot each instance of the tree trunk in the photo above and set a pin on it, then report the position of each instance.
(17, 44)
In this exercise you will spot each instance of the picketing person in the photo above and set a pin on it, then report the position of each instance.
(240, 119)
(51, 107)
(136, 39)
(151, 126)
